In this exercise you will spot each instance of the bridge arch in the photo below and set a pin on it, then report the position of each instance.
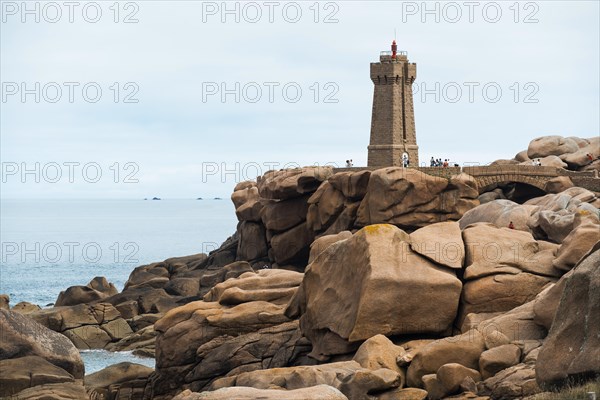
(487, 183)
(487, 177)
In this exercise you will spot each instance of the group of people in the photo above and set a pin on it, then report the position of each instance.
(537, 162)
(437, 162)
(349, 163)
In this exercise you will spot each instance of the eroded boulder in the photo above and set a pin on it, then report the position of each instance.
(369, 284)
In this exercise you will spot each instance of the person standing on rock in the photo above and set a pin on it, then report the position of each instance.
(405, 160)
(432, 162)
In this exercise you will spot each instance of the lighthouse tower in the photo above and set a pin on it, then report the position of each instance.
(393, 135)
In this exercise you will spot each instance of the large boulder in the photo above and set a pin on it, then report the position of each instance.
(349, 377)
(380, 352)
(369, 284)
(289, 183)
(580, 157)
(22, 336)
(353, 185)
(551, 146)
(324, 242)
(557, 215)
(515, 382)
(282, 215)
(97, 289)
(318, 392)
(498, 358)
(500, 292)
(411, 199)
(29, 371)
(25, 307)
(122, 380)
(240, 320)
(574, 332)
(464, 349)
(37, 363)
(53, 391)
(4, 302)
(246, 201)
(512, 326)
(88, 326)
(500, 213)
(451, 376)
(577, 243)
(253, 241)
(505, 268)
(292, 246)
(441, 242)
(270, 347)
(326, 204)
(492, 250)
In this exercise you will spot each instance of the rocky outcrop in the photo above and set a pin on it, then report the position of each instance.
(117, 381)
(572, 349)
(273, 214)
(573, 151)
(97, 289)
(464, 349)
(498, 358)
(449, 379)
(500, 213)
(4, 302)
(318, 392)
(551, 217)
(505, 268)
(354, 381)
(410, 199)
(441, 243)
(37, 362)
(511, 383)
(24, 307)
(239, 326)
(369, 284)
(91, 326)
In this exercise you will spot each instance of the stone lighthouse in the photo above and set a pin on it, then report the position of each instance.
(393, 135)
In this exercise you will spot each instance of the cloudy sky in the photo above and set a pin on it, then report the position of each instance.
(182, 99)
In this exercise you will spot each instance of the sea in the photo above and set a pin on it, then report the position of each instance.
(49, 245)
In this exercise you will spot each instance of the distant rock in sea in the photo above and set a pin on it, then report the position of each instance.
(218, 198)
(199, 198)
(156, 198)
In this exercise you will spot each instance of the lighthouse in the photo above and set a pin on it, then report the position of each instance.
(393, 134)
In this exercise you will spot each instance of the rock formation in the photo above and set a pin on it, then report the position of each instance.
(374, 284)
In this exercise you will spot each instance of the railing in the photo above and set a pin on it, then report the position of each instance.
(389, 53)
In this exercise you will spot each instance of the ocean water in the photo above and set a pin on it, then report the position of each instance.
(49, 245)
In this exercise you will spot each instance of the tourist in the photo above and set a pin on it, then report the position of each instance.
(511, 225)
(351, 163)
(445, 164)
(348, 164)
(590, 157)
(405, 160)
(432, 162)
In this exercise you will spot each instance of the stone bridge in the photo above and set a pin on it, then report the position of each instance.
(488, 177)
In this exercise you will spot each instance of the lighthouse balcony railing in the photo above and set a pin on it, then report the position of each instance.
(389, 53)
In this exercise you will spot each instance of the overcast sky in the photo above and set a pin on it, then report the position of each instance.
(185, 138)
